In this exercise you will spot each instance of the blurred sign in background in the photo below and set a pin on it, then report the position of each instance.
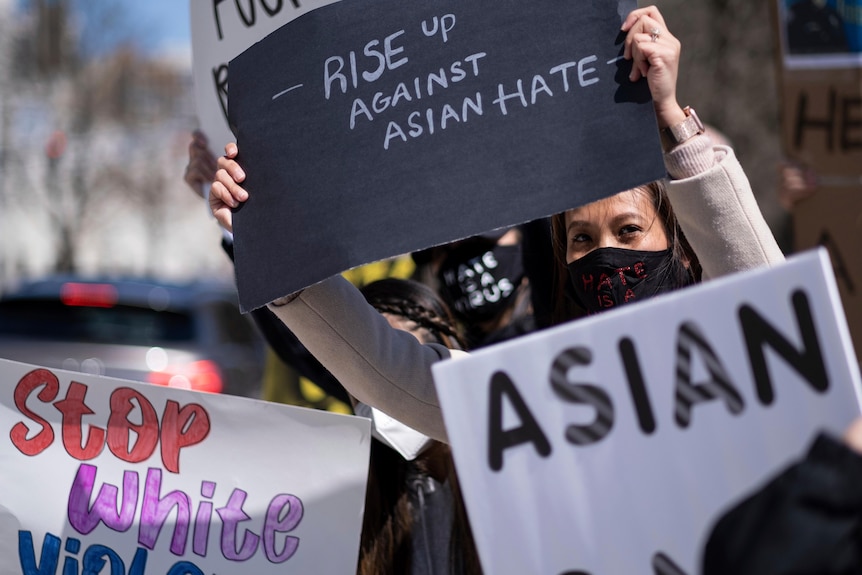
(819, 56)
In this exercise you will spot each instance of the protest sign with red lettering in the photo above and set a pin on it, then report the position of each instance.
(152, 480)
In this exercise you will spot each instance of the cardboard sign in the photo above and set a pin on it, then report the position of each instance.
(611, 444)
(151, 480)
(820, 75)
(821, 123)
(221, 30)
(832, 218)
(372, 128)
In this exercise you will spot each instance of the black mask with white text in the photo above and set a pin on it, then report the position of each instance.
(479, 281)
(606, 278)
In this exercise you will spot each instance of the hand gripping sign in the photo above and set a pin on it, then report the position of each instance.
(374, 128)
(611, 444)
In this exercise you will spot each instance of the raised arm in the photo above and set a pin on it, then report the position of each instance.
(707, 186)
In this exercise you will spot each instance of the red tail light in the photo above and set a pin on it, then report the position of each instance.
(88, 295)
(201, 375)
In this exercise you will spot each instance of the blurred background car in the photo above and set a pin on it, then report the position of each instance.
(189, 336)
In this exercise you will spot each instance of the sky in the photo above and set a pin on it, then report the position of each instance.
(167, 21)
(158, 26)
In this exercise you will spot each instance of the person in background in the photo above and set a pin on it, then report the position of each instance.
(483, 281)
(414, 521)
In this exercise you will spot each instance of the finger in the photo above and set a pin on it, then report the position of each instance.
(200, 154)
(210, 160)
(224, 216)
(197, 174)
(646, 52)
(653, 29)
(203, 166)
(234, 193)
(219, 195)
(635, 15)
(224, 220)
(232, 168)
(628, 46)
(208, 170)
(220, 201)
(201, 138)
(198, 141)
(645, 24)
(640, 54)
(231, 150)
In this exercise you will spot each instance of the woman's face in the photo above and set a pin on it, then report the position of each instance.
(627, 220)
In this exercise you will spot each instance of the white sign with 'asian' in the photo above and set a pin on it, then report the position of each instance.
(613, 443)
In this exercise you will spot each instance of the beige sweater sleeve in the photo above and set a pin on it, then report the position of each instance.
(717, 211)
(380, 366)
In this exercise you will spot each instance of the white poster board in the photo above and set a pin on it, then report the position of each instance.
(159, 481)
(611, 444)
(221, 30)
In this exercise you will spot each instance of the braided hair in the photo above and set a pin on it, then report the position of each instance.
(418, 303)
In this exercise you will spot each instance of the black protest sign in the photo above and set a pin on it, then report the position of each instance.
(371, 128)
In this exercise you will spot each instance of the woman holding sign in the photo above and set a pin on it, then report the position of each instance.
(712, 203)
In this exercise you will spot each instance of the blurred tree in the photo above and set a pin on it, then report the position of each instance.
(77, 65)
(51, 50)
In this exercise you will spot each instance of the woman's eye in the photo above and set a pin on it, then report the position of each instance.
(580, 238)
(629, 230)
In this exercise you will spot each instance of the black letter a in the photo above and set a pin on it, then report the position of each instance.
(759, 333)
(500, 440)
(719, 385)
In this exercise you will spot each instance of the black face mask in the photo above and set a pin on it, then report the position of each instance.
(609, 277)
(479, 281)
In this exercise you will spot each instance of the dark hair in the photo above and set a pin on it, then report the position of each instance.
(386, 545)
(564, 306)
(418, 303)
